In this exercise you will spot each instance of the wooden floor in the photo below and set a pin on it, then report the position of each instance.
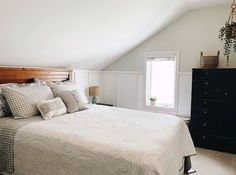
(208, 162)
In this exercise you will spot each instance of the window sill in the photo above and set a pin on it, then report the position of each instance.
(158, 109)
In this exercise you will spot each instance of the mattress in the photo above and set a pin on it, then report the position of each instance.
(102, 141)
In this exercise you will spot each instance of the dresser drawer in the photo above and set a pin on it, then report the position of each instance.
(203, 125)
(228, 77)
(205, 74)
(214, 142)
(203, 113)
(205, 94)
(205, 104)
(205, 84)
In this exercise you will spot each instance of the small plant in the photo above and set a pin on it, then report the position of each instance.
(153, 99)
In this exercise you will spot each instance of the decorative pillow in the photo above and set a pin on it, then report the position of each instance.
(39, 81)
(51, 108)
(4, 108)
(22, 100)
(72, 100)
(67, 86)
(7, 85)
(36, 91)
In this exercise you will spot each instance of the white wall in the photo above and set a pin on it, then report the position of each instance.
(86, 78)
(196, 31)
(122, 82)
(126, 89)
(122, 89)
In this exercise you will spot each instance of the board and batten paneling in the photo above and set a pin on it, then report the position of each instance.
(109, 88)
(126, 89)
(122, 89)
(184, 96)
(86, 78)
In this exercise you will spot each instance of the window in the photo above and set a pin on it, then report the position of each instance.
(161, 79)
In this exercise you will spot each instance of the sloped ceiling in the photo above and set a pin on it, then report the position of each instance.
(85, 34)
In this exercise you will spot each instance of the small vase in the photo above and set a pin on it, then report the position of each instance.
(153, 103)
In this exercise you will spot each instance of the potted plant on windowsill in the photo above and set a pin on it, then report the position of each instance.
(153, 101)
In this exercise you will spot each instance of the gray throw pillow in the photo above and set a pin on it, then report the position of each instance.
(68, 86)
(51, 108)
(72, 100)
(4, 108)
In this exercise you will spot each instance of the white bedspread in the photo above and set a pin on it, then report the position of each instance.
(103, 141)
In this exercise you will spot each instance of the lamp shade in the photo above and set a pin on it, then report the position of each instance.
(94, 91)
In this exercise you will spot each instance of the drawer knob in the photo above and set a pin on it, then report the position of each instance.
(205, 102)
(205, 112)
(205, 93)
(204, 124)
(203, 137)
(206, 83)
(226, 94)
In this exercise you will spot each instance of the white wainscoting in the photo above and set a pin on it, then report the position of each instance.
(86, 78)
(185, 93)
(126, 89)
(122, 89)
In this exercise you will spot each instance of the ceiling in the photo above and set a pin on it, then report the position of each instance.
(195, 4)
(86, 34)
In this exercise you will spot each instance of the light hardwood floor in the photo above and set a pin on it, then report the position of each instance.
(208, 162)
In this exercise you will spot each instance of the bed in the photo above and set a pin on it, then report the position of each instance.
(98, 141)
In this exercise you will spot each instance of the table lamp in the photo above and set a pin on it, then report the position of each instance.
(94, 91)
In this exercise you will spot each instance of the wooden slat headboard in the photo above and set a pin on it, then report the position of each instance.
(26, 75)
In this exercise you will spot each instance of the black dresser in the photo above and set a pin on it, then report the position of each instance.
(213, 113)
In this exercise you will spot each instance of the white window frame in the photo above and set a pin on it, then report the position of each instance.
(161, 54)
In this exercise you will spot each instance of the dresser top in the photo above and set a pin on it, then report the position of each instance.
(214, 69)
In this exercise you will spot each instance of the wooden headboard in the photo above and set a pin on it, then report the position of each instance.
(26, 75)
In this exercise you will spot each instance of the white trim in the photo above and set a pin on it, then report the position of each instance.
(185, 73)
(160, 54)
(122, 72)
(87, 71)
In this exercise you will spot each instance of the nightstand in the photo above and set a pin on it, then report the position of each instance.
(185, 119)
(104, 104)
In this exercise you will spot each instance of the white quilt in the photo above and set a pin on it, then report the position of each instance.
(103, 141)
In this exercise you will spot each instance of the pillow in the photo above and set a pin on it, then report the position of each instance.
(62, 86)
(7, 85)
(67, 86)
(39, 81)
(35, 91)
(4, 108)
(51, 108)
(72, 100)
(22, 100)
